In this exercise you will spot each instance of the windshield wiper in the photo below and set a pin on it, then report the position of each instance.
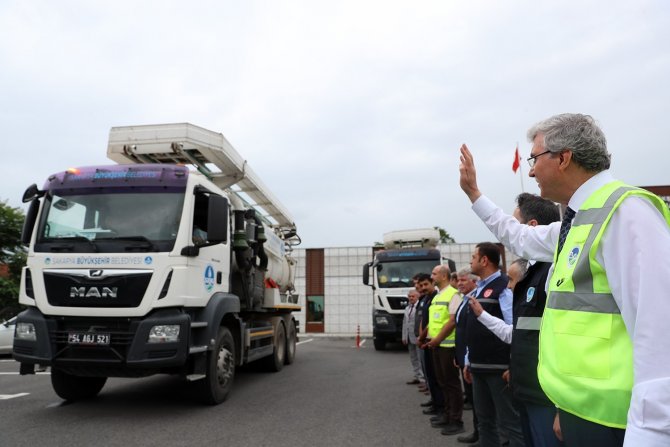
(69, 247)
(145, 243)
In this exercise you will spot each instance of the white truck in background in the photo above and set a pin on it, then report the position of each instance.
(405, 253)
(148, 267)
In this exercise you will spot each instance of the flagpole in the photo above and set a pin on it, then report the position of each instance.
(520, 168)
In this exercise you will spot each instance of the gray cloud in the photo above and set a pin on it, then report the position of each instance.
(351, 112)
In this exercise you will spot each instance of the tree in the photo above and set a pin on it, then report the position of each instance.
(13, 255)
(445, 238)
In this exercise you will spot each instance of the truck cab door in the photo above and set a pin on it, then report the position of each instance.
(209, 254)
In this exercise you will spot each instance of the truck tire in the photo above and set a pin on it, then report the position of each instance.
(275, 362)
(73, 388)
(291, 339)
(380, 344)
(218, 381)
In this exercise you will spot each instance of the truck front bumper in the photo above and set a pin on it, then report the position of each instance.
(387, 326)
(127, 348)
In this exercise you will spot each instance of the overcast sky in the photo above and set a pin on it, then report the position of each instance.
(351, 112)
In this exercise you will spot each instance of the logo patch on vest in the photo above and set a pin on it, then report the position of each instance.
(488, 293)
(530, 294)
(572, 257)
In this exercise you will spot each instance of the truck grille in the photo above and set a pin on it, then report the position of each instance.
(77, 290)
(397, 302)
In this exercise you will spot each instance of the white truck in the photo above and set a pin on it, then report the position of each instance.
(405, 253)
(148, 267)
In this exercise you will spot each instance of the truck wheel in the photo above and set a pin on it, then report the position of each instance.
(73, 388)
(275, 362)
(291, 339)
(380, 344)
(216, 385)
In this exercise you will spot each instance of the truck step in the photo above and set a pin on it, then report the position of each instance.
(194, 377)
(197, 349)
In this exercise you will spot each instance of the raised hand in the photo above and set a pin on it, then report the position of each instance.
(468, 174)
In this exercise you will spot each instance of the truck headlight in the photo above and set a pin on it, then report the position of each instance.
(25, 331)
(382, 321)
(164, 333)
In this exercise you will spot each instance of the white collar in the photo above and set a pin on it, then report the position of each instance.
(589, 187)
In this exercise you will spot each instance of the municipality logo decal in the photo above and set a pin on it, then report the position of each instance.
(148, 260)
(209, 278)
(529, 294)
(572, 257)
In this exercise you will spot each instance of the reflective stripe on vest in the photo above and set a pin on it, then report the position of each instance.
(438, 316)
(586, 356)
(529, 323)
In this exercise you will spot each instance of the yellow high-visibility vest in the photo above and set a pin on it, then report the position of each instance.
(438, 315)
(586, 354)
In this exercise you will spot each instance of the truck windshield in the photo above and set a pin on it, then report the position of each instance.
(400, 273)
(118, 221)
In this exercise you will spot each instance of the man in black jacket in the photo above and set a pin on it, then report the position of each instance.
(536, 410)
(488, 357)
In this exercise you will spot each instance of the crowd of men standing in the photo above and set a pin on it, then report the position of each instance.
(458, 356)
(566, 349)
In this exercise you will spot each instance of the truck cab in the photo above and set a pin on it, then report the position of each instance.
(149, 266)
(405, 254)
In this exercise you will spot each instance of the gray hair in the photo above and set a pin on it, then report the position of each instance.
(466, 272)
(578, 133)
(523, 265)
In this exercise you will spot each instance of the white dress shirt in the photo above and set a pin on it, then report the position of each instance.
(499, 328)
(635, 253)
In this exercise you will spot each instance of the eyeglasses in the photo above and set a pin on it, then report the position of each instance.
(531, 160)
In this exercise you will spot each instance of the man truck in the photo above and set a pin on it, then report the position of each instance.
(405, 254)
(175, 260)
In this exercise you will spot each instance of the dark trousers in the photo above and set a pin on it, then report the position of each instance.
(468, 396)
(449, 381)
(537, 422)
(435, 392)
(495, 411)
(578, 432)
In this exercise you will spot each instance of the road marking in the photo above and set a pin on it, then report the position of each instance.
(7, 360)
(17, 373)
(305, 341)
(12, 396)
(360, 344)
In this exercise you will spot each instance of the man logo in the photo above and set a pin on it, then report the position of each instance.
(94, 292)
(95, 273)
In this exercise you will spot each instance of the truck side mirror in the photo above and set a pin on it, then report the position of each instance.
(31, 193)
(217, 219)
(29, 222)
(366, 273)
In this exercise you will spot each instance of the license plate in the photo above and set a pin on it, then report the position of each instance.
(88, 338)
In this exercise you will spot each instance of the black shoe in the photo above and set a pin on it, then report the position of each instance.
(413, 382)
(440, 423)
(467, 406)
(427, 404)
(469, 439)
(437, 417)
(430, 410)
(453, 428)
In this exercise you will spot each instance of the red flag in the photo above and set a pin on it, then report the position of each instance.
(517, 160)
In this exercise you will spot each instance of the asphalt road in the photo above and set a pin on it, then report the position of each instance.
(333, 395)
